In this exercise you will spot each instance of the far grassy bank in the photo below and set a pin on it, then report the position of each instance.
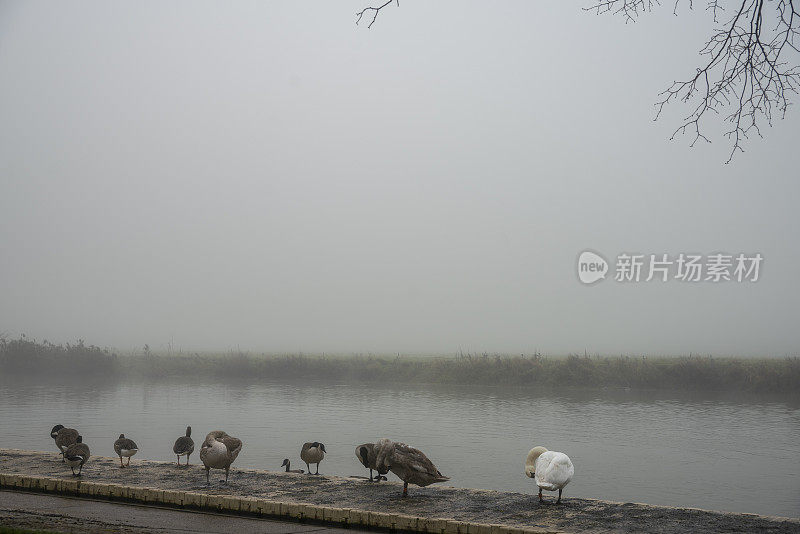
(778, 375)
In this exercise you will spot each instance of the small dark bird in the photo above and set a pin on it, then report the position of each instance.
(64, 437)
(125, 447)
(76, 455)
(184, 446)
(288, 465)
(312, 453)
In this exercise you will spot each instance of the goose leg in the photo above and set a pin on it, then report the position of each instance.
(370, 476)
(308, 468)
(559, 497)
(120, 461)
(80, 470)
(405, 489)
(541, 499)
(129, 462)
(317, 469)
(187, 458)
(73, 470)
(179, 460)
(208, 481)
(227, 470)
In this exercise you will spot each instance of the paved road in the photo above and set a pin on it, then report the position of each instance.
(71, 514)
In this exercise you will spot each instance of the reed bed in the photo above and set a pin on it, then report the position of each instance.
(773, 375)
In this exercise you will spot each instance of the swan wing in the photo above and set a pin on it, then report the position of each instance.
(234, 445)
(411, 464)
(554, 470)
(384, 450)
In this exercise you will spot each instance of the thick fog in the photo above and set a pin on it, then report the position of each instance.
(272, 177)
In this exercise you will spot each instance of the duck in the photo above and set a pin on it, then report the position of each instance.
(125, 447)
(219, 451)
(365, 453)
(313, 452)
(552, 470)
(288, 465)
(76, 455)
(64, 437)
(409, 464)
(184, 446)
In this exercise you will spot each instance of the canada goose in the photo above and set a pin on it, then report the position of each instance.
(312, 453)
(409, 464)
(367, 456)
(184, 446)
(288, 465)
(64, 437)
(551, 470)
(125, 447)
(219, 450)
(76, 455)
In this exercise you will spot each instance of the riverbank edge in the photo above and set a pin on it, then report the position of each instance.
(305, 512)
(254, 507)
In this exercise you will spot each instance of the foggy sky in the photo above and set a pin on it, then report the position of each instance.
(270, 176)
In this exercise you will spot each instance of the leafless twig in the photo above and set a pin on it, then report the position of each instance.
(375, 11)
(750, 71)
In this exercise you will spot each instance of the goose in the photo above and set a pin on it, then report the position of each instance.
(219, 450)
(184, 446)
(76, 455)
(409, 464)
(367, 456)
(288, 465)
(312, 453)
(551, 470)
(125, 447)
(64, 437)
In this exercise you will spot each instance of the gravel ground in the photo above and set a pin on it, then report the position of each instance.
(461, 504)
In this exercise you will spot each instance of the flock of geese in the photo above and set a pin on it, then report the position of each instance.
(551, 470)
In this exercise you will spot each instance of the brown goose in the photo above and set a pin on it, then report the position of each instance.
(125, 447)
(219, 451)
(184, 446)
(289, 469)
(64, 437)
(409, 464)
(367, 456)
(76, 455)
(312, 452)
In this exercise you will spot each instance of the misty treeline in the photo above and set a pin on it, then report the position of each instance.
(774, 375)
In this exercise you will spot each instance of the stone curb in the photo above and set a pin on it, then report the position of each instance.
(342, 517)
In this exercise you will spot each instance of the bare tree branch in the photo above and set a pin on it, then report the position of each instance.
(375, 11)
(750, 71)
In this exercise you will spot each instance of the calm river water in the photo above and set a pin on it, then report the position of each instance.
(734, 454)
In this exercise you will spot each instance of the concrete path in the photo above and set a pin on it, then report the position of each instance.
(71, 514)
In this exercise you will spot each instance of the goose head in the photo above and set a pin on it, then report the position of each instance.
(54, 432)
(122, 436)
(188, 431)
(285, 462)
(79, 440)
(530, 461)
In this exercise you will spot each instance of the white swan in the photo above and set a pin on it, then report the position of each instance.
(551, 470)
